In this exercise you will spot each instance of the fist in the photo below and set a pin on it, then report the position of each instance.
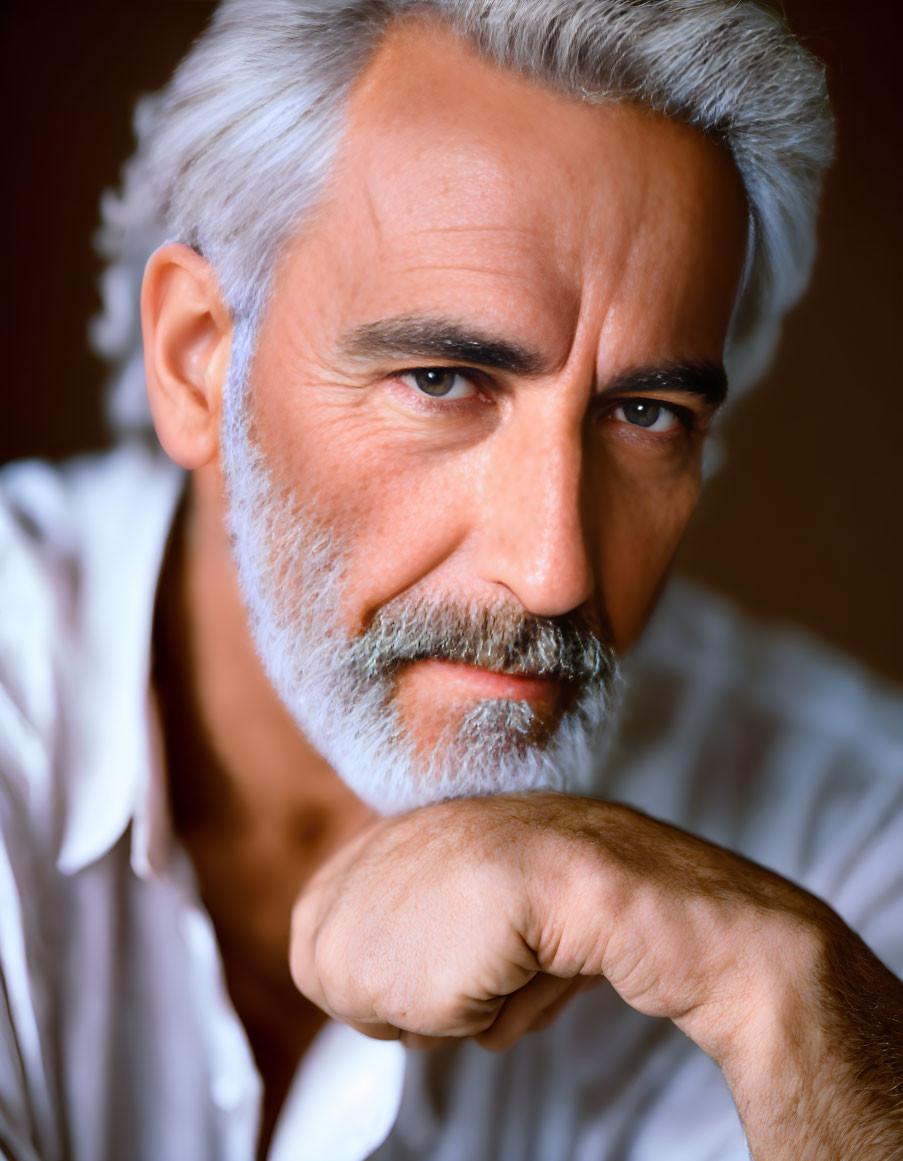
(423, 927)
(481, 917)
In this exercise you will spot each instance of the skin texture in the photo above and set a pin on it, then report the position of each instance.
(744, 962)
(605, 241)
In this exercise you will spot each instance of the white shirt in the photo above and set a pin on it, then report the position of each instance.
(117, 1038)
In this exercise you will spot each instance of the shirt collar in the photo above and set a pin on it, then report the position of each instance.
(124, 510)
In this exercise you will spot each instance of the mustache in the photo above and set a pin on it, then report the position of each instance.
(501, 639)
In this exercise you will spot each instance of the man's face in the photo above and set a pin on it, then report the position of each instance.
(484, 378)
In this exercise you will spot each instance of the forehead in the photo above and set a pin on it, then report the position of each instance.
(460, 185)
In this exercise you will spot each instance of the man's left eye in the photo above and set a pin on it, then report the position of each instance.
(647, 414)
(440, 383)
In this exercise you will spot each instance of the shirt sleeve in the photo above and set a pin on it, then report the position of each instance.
(29, 952)
(20, 1134)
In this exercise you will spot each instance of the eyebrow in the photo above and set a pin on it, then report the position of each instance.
(698, 377)
(414, 337)
(418, 337)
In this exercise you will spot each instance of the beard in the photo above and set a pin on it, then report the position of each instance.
(341, 689)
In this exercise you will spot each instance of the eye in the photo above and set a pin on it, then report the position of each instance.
(440, 383)
(648, 414)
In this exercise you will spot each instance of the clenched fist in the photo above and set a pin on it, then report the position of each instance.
(482, 917)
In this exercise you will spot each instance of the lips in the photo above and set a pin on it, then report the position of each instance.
(487, 683)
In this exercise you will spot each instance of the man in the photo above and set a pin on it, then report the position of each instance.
(438, 330)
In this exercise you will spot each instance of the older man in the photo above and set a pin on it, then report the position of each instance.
(438, 329)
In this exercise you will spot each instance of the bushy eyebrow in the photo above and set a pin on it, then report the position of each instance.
(694, 377)
(420, 337)
(414, 337)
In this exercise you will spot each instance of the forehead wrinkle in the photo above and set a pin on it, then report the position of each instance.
(454, 268)
(590, 302)
(514, 257)
(521, 241)
(469, 228)
(599, 323)
(373, 212)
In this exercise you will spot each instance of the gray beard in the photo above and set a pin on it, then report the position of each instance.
(340, 690)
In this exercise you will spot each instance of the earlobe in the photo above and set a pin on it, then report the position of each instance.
(187, 338)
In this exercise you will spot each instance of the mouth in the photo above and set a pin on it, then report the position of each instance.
(473, 681)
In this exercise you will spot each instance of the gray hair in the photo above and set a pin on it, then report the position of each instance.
(235, 150)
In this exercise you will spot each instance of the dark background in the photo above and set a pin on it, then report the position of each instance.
(804, 521)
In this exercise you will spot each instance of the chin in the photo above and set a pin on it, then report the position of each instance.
(498, 748)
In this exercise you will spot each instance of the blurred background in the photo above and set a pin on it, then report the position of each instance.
(803, 522)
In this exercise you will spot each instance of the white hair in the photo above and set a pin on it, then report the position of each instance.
(340, 689)
(235, 150)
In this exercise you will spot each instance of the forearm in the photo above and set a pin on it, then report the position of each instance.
(820, 1075)
(803, 1020)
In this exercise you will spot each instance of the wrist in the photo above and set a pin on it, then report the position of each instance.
(799, 1063)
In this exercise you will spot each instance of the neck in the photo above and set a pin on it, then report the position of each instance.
(256, 808)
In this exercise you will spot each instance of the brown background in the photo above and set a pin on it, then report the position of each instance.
(804, 521)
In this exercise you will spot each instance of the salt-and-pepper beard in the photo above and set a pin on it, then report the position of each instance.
(340, 690)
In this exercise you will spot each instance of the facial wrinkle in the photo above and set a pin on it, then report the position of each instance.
(341, 690)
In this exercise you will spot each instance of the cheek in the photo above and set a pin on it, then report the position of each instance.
(396, 513)
(637, 527)
(404, 521)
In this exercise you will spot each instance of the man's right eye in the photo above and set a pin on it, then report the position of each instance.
(440, 383)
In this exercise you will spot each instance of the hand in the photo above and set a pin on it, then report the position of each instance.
(480, 917)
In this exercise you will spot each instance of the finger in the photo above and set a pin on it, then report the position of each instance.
(579, 985)
(522, 1009)
(374, 1029)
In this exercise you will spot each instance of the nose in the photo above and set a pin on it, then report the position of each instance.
(533, 530)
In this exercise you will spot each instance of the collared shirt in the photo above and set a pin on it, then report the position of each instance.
(117, 1036)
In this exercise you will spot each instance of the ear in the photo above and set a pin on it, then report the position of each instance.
(187, 339)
